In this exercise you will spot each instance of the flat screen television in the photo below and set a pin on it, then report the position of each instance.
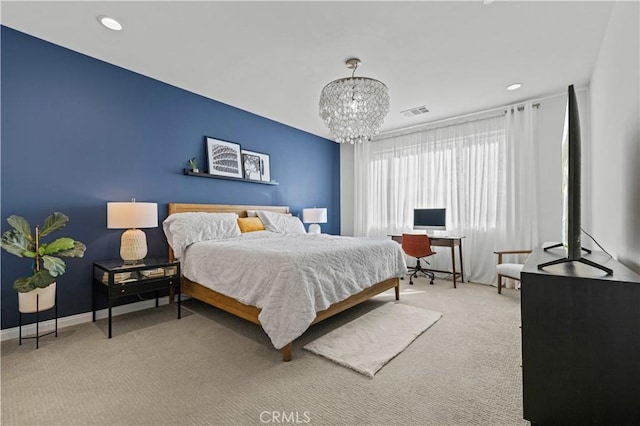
(571, 169)
(430, 219)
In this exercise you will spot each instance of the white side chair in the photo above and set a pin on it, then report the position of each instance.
(513, 270)
(508, 270)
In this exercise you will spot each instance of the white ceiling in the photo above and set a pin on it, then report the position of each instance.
(273, 58)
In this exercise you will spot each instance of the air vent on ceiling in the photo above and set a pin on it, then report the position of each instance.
(415, 111)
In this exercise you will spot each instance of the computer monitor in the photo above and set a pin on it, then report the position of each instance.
(430, 219)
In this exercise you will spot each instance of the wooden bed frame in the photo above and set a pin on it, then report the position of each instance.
(248, 312)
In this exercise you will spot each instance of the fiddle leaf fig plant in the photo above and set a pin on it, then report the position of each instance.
(47, 264)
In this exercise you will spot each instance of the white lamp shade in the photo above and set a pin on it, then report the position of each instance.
(314, 215)
(132, 215)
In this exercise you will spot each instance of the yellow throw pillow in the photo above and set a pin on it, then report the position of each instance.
(250, 224)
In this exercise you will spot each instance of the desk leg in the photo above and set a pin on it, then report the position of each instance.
(453, 264)
(461, 264)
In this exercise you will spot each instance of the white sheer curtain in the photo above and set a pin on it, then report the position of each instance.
(480, 170)
(518, 211)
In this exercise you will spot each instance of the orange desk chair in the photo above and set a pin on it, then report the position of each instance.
(418, 246)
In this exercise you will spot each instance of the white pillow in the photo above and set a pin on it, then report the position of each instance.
(281, 223)
(254, 213)
(184, 229)
(294, 225)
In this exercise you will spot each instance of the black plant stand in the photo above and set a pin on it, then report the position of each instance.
(38, 335)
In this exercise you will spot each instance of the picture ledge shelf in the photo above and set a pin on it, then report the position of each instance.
(207, 175)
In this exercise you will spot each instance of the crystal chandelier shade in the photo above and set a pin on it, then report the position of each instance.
(354, 108)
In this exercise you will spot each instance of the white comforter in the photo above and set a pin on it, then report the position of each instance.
(291, 276)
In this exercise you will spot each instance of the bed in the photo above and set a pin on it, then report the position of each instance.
(273, 280)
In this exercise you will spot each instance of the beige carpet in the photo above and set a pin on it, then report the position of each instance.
(368, 342)
(210, 368)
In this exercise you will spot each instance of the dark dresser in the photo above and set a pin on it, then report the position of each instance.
(580, 342)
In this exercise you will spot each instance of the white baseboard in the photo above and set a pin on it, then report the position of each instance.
(50, 325)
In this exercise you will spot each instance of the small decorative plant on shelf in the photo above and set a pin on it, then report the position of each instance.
(47, 265)
(193, 165)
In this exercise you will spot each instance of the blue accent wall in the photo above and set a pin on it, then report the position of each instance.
(78, 132)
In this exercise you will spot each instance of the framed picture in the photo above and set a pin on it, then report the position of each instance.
(224, 158)
(256, 165)
(251, 165)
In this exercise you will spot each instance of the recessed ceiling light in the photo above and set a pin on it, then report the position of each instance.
(110, 23)
(487, 1)
(514, 86)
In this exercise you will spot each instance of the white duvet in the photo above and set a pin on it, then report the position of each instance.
(291, 276)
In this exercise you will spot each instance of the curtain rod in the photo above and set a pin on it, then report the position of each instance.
(429, 126)
(442, 126)
(521, 107)
(416, 128)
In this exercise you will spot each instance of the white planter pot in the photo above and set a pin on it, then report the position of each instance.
(37, 300)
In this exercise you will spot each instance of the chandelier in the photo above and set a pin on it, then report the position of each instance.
(354, 108)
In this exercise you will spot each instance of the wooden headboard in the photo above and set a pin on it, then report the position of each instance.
(220, 208)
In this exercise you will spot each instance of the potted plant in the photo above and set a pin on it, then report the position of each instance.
(193, 165)
(37, 292)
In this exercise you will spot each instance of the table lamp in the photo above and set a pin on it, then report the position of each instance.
(314, 216)
(131, 216)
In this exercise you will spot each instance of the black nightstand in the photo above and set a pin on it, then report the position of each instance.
(115, 278)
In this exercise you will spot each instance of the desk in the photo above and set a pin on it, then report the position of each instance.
(444, 241)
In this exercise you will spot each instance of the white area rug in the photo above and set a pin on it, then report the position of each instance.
(367, 343)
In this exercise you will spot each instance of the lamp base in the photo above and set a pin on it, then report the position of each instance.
(133, 245)
(314, 228)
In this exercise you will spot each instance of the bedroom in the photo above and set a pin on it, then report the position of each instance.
(54, 102)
